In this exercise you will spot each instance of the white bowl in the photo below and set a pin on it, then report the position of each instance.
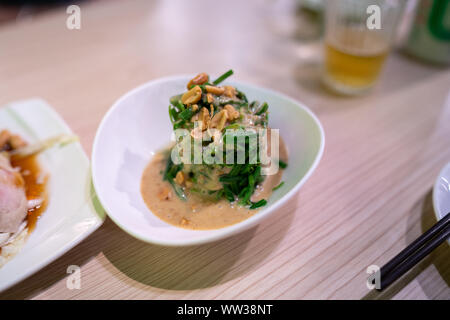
(441, 194)
(138, 125)
(72, 212)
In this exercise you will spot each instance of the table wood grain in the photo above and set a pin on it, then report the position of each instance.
(369, 198)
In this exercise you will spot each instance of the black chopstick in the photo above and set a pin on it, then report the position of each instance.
(415, 252)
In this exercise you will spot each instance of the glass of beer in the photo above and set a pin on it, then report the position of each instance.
(358, 36)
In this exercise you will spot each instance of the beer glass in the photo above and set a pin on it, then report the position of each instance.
(358, 37)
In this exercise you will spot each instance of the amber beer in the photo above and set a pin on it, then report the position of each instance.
(358, 35)
(353, 59)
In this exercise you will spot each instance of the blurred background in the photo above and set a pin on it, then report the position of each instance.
(418, 28)
(382, 95)
(315, 50)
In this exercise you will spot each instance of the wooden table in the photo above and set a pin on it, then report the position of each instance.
(369, 198)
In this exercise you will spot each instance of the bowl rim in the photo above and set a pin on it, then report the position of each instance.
(219, 233)
(437, 212)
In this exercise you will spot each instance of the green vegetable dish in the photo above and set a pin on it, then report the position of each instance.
(222, 166)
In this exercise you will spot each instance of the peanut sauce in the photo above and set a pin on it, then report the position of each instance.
(197, 213)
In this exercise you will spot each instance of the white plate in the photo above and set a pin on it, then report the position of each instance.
(138, 124)
(441, 194)
(70, 216)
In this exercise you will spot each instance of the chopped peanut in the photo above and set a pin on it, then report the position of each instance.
(198, 79)
(205, 118)
(230, 91)
(194, 107)
(192, 96)
(209, 98)
(184, 221)
(215, 90)
(219, 120)
(165, 194)
(232, 112)
(179, 178)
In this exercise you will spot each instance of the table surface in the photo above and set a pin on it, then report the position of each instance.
(369, 198)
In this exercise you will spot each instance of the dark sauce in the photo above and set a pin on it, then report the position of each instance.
(35, 187)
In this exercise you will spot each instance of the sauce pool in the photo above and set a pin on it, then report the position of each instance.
(35, 187)
(197, 213)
